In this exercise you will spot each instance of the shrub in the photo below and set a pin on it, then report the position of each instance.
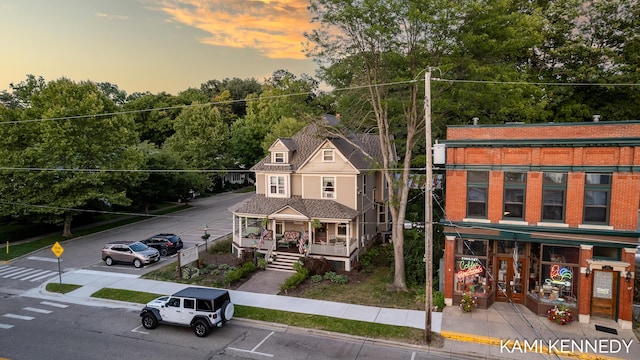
(340, 279)
(330, 275)
(438, 300)
(316, 278)
(262, 263)
(296, 279)
(317, 266)
(221, 246)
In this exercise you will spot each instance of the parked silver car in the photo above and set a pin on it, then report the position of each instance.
(129, 252)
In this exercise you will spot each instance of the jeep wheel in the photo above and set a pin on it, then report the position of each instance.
(137, 263)
(149, 321)
(163, 252)
(227, 311)
(201, 328)
(108, 261)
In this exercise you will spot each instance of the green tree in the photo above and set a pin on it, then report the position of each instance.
(591, 42)
(59, 165)
(238, 91)
(369, 45)
(201, 138)
(283, 96)
(166, 181)
(154, 115)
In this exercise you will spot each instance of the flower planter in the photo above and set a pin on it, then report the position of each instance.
(560, 314)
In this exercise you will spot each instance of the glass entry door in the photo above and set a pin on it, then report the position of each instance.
(510, 279)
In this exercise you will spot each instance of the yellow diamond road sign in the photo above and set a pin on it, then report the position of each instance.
(57, 249)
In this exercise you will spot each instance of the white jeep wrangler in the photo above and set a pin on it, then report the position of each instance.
(199, 308)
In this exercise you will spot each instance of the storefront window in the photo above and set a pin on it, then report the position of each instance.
(471, 276)
(558, 279)
(471, 247)
(508, 247)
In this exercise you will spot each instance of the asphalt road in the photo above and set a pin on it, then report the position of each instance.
(36, 329)
(30, 271)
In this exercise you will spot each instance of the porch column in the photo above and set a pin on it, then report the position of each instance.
(625, 307)
(449, 260)
(584, 295)
(233, 227)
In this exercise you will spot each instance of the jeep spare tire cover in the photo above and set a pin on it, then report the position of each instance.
(227, 311)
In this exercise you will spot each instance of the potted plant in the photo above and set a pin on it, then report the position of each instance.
(468, 303)
(561, 314)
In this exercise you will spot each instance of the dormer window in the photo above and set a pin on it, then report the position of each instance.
(328, 187)
(279, 158)
(327, 155)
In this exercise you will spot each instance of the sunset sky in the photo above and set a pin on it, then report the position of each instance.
(152, 45)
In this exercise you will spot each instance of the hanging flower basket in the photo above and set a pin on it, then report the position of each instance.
(561, 314)
(468, 303)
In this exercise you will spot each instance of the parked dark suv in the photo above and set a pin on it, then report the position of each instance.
(199, 308)
(166, 244)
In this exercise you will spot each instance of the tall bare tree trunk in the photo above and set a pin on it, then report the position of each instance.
(66, 230)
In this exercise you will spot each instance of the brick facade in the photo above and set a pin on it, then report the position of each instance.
(573, 149)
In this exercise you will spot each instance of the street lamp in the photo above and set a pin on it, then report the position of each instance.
(205, 237)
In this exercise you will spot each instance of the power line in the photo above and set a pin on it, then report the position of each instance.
(533, 83)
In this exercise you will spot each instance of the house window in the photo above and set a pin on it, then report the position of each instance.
(515, 185)
(382, 214)
(342, 230)
(477, 187)
(328, 188)
(277, 186)
(554, 188)
(364, 184)
(597, 192)
(279, 158)
(327, 155)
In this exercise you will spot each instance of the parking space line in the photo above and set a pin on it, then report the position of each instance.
(138, 331)
(5, 326)
(253, 351)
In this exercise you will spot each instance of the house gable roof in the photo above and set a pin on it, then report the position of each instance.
(361, 150)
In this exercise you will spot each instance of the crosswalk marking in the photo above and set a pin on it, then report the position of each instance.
(41, 311)
(20, 317)
(22, 273)
(63, 306)
(31, 309)
(42, 259)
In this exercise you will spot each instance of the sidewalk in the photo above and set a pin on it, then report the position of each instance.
(502, 332)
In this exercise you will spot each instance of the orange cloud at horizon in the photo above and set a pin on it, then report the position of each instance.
(275, 28)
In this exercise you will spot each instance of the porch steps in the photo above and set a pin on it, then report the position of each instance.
(284, 261)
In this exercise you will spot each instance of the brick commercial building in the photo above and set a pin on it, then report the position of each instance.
(543, 215)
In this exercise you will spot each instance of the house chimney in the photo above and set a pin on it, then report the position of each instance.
(475, 121)
(596, 118)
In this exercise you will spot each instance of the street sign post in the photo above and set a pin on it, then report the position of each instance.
(57, 250)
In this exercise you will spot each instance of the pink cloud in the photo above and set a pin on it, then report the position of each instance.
(273, 27)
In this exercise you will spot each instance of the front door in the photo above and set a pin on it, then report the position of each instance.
(603, 299)
(510, 279)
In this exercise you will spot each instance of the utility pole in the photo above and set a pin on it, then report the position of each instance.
(428, 209)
